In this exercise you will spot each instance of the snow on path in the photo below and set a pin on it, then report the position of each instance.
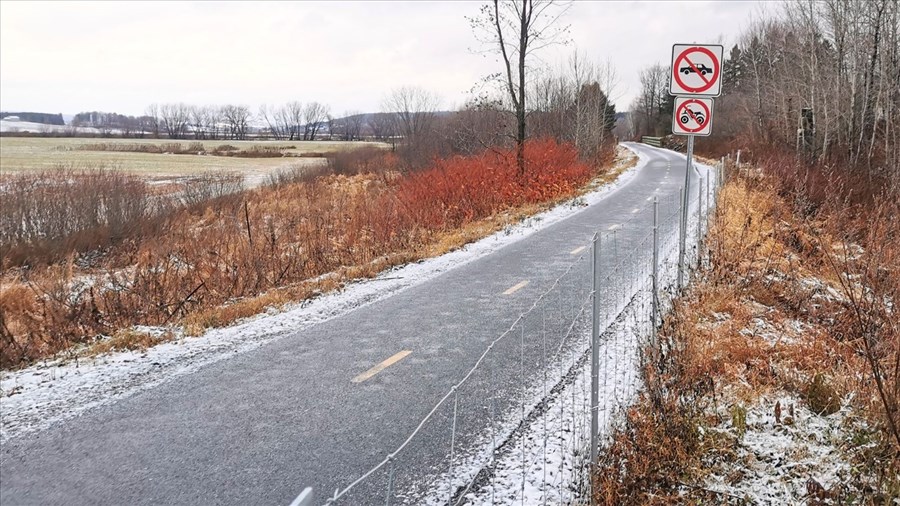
(52, 391)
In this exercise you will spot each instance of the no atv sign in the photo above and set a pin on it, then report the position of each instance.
(696, 70)
(693, 116)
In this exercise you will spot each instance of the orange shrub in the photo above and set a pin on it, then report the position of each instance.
(461, 189)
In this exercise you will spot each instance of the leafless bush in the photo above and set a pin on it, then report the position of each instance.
(224, 149)
(45, 215)
(209, 186)
(355, 161)
(193, 148)
(295, 174)
(175, 148)
(260, 152)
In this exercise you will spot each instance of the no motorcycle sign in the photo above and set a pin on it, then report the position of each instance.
(696, 70)
(693, 116)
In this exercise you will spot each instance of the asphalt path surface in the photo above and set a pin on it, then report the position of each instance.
(321, 407)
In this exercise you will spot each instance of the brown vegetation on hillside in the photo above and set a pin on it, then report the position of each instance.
(799, 298)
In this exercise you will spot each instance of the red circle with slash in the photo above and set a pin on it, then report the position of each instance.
(707, 83)
(691, 114)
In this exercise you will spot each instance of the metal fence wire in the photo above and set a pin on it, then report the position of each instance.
(518, 427)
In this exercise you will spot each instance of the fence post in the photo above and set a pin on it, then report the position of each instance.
(616, 261)
(655, 302)
(686, 200)
(722, 173)
(595, 357)
(390, 486)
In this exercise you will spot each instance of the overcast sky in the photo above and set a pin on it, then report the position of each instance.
(119, 57)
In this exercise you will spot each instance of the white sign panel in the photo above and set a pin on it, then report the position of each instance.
(696, 70)
(692, 116)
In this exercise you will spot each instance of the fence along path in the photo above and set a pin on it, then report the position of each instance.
(533, 437)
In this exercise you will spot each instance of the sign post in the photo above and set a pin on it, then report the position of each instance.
(686, 199)
(695, 76)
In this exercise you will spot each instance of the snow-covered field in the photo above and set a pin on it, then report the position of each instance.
(43, 128)
(54, 390)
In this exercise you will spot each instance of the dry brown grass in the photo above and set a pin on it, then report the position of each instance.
(221, 260)
(771, 263)
(128, 339)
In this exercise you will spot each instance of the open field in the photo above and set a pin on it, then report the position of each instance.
(18, 154)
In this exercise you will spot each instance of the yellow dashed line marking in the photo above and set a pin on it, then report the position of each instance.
(516, 288)
(382, 366)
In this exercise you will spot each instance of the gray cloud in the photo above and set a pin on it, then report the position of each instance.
(74, 56)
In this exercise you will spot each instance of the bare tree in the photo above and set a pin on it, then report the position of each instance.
(152, 119)
(237, 118)
(175, 119)
(517, 29)
(199, 121)
(412, 110)
(482, 124)
(212, 121)
(284, 121)
(652, 104)
(355, 121)
(382, 125)
(269, 115)
(822, 77)
(314, 114)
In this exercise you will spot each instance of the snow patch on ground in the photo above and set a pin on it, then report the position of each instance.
(8, 126)
(41, 395)
(781, 462)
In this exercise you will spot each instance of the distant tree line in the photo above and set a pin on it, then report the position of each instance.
(570, 104)
(109, 122)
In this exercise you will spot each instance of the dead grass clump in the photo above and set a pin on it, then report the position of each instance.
(257, 152)
(130, 340)
(173, 148)
(821, 396)
(192, 148)
(361, 161)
